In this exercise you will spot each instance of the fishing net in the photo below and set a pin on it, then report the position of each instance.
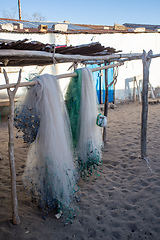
(81, 102)
(73, 99)
(27, 121)
(50, 172)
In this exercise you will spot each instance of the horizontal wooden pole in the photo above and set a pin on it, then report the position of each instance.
(6, 55)
(66, 75)
(6, 102)
(24, 53)
(46, 58)
(106, 67)
(70, 58)
(11, 85)
(130, 58)
(153, 55)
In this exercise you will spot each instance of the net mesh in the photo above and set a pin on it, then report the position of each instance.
(50, 172)
(81, 102)
(26, 120)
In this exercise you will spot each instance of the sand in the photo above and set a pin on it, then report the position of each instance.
(122, 203)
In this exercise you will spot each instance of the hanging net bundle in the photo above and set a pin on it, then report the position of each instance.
(81, 102)
(50, 174)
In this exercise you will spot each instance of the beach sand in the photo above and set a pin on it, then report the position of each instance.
(122, 203)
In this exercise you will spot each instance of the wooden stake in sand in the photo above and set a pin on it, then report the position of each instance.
(146, 64)
(11, 94)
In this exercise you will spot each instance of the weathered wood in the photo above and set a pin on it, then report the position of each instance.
(146, 64)
(138, 90)
(24, 55)
(152, 92)
(6, 102)
(9, 53)
(19, 7)
(134, 89)
(105, 106)
(71, 58)
(106, 67)
(153, 101)
(100, 85)
(11, 94)
(154, 55)
(45, 58)
(31, 83)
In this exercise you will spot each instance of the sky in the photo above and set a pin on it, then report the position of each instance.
(98, 12)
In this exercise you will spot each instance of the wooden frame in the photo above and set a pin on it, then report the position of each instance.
(11, 94)
(44, 58)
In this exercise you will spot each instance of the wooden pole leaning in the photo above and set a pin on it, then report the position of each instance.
(105, 106)
(11, 94)
(146, 59)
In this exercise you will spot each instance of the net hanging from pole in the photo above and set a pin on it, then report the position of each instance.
(81, 102)
(50, 172)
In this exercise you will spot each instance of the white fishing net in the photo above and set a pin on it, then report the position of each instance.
(90, 133)
(50, 174)
(90, 139)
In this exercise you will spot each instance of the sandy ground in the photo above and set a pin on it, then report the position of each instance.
(122, 203)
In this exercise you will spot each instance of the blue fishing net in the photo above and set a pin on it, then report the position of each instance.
(26, 120)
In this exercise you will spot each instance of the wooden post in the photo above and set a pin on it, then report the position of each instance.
(146, 64)
(19, 7)
(11, 94)
(115, 75)
(134, 89)
(152, 92)
(100, 85)
(105, 106)
(114, 90)
(138, 90)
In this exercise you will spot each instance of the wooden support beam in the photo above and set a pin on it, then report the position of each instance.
(134, 89)
(6, 102)
(154, 55)
(105, 105)
(11, 94)
(146, 64)
(152, 92)
(66, 75)
(138, 90)
(7, 55)
(111, 58)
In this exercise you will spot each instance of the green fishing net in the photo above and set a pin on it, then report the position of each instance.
(73, 101)
(81, 102)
